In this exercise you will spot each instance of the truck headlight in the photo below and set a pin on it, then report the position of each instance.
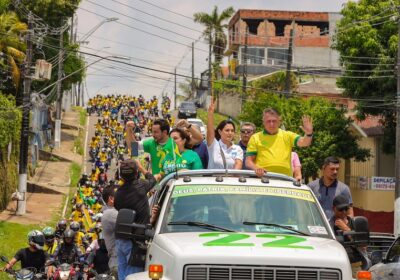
(364, 275)
(155, 271)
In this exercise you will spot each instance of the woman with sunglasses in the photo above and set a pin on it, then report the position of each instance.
(223, 154)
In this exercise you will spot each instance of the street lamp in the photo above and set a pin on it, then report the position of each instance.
(91, 31)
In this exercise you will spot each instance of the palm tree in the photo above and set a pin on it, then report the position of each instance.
(215, 29)
(11, 45)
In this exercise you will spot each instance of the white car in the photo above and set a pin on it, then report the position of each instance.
(229, 224)
(200, 124)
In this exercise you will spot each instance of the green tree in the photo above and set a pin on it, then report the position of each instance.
(215, 27)
(55, 13)
(331, 127)
(367, 42)
(10, 123)
(12, 46)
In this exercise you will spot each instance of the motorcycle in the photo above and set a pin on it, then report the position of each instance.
(92, 154)
(24, 273)
(92, 274)
(89, 110)
(66, 271)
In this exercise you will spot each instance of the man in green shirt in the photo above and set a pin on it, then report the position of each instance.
(161, 144)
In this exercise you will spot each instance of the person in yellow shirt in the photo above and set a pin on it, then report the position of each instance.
(94, 175)
(50, 243)
(77, 215)
(113, 123)
(270, 150)
(87, 190)
(79, 235)
(94, 143)
(103, 155)
(107, 131)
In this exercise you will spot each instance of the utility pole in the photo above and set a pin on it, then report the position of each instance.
(57, 133)
(245, 62)
(24, 143)
(175, 89)
(289, 62)
(193, 83)
(209, 66)
(397, 155)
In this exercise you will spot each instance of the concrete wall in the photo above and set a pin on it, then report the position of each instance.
(230, 104)
(315, 57)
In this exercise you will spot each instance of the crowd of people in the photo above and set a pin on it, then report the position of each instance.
(88, 236)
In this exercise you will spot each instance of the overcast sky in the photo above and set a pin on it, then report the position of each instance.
(160, 46)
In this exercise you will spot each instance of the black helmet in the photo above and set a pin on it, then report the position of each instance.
(49, 234)
(75, 226)
(68, 236)
(62, 224)
(36, 239)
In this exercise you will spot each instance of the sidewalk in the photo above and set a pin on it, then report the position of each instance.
(48, 188)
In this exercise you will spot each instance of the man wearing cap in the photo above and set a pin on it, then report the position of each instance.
(328, 187)
(341, 222)
(132, 195)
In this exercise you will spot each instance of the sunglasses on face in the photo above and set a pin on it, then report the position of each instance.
(246, 131)
(343, 209)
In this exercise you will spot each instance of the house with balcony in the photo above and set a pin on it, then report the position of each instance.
(267, 33)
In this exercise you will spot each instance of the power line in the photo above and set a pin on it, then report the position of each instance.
(165, 9)
(152, 15)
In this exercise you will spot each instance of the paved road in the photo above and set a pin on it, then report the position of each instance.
(90, 130)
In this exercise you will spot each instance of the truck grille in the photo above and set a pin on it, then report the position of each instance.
(218, 272)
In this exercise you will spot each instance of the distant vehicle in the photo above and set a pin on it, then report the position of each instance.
(388, 267)
(200, 124)
(187, 109)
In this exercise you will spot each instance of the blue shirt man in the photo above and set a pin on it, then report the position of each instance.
(328, 187)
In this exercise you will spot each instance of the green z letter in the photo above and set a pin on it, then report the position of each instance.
(228, 239)
(287, 241)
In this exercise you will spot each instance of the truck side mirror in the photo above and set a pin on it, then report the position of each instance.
(125, 219)
(361, 227)
(360, 234)
(126, 228)
(376, 257)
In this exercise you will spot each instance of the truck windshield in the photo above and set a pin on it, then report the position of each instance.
(244, 209)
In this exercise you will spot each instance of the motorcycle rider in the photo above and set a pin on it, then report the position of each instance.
(60, 228)
(79, 236)
(83, 179)
(50, 243)
(66, 252)
(32, 256)
(77, 214)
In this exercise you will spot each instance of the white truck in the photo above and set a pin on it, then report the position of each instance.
(218, 224)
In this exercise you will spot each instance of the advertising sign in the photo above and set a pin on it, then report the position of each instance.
(382, 183)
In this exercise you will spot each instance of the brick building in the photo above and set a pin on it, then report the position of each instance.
(268, 40)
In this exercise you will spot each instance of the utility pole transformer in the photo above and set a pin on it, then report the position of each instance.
(24, 143)
(57, 133)
(397, 155)
(289, 62)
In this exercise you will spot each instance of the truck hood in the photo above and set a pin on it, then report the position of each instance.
(248, 249)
